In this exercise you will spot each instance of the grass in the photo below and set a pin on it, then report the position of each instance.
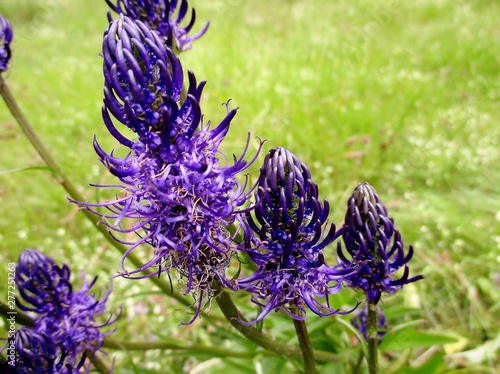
(402, 95)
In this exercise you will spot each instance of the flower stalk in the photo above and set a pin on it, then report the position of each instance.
(160, 345)
(373, 338)
(234, 316)
(98, 364)
(305, 346)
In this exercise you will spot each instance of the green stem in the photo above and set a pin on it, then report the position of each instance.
(21, 317)
(372, 338)
(97, 363)
(233, 316)
(198, 348)
(305, 346)
(74, 194)
(357, 368)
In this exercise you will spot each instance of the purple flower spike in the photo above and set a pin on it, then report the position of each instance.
(292, 229)
(5, 40)
(42, 283)
(65, 329)
(142, 81)
(375, 247)
(360, 322)
(164, 18)
(35, 352)
(181, 208)
(178, 192)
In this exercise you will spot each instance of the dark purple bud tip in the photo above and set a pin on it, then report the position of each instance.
(35, 351)
(170, 22)
(142, 80)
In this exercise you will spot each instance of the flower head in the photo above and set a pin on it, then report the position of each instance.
(41, 283)
(36, 353)
(163, 17)
(143, 81)
(176, 186)
(291, 225)
(5, 40)
(360, 322)
(62, 317)
(374, 245)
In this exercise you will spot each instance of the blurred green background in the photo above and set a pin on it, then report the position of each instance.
(402, 94)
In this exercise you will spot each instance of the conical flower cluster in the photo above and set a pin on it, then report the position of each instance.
(289, 231)
(177, 188)
(374, 246)
(65, 330)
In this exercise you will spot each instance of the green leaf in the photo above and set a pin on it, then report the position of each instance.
(43, 168)
(405, 339)
(434, 364)
(355, 331)
(396, 311)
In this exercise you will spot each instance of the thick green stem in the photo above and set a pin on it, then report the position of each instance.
(305, 346)
(20, 317)
(73, 192)
(198, 348)
(97, 363)
(233, 316)
(372, 338)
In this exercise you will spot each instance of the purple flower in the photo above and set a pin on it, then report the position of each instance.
(36, 353)
(375, 247)
(64, 320)
(292, 230)
(159, 16)
(143, 82)
(177, 191)
(41, 283)
(5, 39)
(360, 322)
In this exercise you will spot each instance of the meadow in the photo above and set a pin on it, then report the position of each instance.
(403, 95)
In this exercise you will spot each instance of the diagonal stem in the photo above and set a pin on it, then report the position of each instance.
(98, 364)
(233, 316)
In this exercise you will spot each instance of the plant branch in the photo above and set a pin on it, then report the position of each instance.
(21, 317)
(372, 338)
(98, 364)
(232, 314)
(305, 346)
(357, 368)
(146, 346)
